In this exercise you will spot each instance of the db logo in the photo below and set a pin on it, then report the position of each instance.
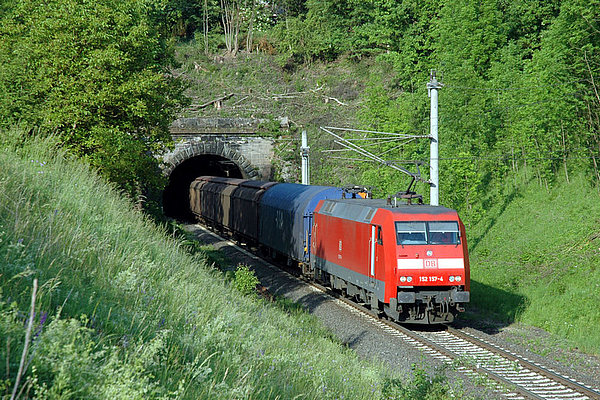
(430, 263)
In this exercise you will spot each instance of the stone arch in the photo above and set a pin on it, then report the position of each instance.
(193, 159)
(209, 147)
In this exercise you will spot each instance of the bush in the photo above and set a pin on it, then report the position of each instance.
(94, 73)
(423, 387)
(245, 280)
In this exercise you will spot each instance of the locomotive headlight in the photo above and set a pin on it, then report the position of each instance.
(451, 278)
(409, 279)
(402, 279)
(458, 278)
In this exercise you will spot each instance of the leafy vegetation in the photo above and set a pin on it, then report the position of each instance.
(245, 280)
(94, 73)
(520, 87)
(121, 313)
(423, 386)
(546, 245)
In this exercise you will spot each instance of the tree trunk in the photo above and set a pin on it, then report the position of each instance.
(230, 16)
(205, 23)
(249, 36)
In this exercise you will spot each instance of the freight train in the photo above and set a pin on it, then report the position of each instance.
(409, 262)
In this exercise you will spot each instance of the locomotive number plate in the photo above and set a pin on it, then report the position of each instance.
(431, 279)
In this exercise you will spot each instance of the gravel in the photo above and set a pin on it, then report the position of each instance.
(372, 342)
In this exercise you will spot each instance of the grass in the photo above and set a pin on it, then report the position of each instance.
(124, 311)
(536, 260)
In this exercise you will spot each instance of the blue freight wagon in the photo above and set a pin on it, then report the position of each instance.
(285, 217)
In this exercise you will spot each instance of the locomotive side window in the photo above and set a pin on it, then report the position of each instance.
(411, 233)
(443, 233)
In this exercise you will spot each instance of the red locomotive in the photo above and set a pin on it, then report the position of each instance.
(409, 262)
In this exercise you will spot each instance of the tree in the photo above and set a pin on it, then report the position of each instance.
(231, 18)
(95, 72)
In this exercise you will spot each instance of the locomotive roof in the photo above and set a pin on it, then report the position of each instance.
(363, 210)
(400, 208)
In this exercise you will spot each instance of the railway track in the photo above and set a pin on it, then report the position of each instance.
(514, 376)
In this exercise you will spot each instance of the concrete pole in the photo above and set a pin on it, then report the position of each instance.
(304, 152)
(434, 180)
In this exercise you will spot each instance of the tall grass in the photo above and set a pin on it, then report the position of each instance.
(537, 260)
(124, 312)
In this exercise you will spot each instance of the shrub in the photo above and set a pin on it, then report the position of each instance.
(245, 280)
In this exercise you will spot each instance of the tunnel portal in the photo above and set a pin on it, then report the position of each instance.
(176, 193)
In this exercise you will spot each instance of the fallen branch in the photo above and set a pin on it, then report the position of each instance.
(284, 95)
(327, 98)
(239, 101)
(215, 101)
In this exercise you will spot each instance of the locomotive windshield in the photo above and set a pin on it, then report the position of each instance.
(427, 232)
(411, 233)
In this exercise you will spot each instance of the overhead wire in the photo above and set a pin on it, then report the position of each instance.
(342, 142)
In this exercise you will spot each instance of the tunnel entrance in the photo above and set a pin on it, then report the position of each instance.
(176, 194)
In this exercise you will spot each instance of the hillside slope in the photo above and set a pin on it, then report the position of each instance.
(536, 259)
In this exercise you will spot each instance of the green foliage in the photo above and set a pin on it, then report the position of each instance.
(187, 17)
(514, 91)
(271, 128)
(245, 280)
(519, 114)
(70, 363)
(423, 386)
(95, 74)
(462, 185)
(322, 34)
(399, 32)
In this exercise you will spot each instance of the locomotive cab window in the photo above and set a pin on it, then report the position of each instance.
(443, 233)
(438, 232)
(411, 233)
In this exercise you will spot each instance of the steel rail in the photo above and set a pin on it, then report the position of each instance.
(444, 351)
(571, 384)
(426, 342)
